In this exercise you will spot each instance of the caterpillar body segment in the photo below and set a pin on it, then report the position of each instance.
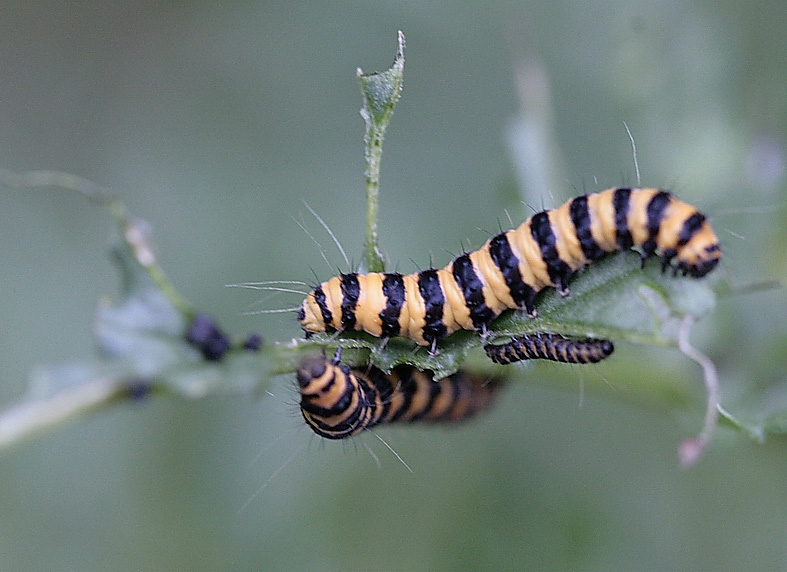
(511, 268)
(553, 347)
(338, 402)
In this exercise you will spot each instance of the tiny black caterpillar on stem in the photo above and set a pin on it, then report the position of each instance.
(553, 347)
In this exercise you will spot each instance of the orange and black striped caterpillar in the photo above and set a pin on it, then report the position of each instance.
(338, 402)
(511, 268)
(553, 347)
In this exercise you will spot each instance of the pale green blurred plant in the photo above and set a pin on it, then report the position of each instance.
(142, 336)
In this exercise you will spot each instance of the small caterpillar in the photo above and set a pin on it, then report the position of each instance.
(552, 347)
(511, 268)
(205, 335)
(338, 402)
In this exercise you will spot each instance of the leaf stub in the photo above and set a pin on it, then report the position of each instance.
(381, 90)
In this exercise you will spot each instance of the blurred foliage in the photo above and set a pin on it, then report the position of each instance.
(215, 121)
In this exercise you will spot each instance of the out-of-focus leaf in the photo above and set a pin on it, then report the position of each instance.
(144, 331)
(143, 327)
(757, 405)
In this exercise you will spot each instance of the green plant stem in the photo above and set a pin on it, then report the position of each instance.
(372, 254)
(380, 92)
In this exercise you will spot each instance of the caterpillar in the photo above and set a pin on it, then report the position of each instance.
(338, 402)
(205, 335)
(511, 268)
(552, 347)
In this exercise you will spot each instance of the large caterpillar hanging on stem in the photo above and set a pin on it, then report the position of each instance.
(511, 268)
(338, 402)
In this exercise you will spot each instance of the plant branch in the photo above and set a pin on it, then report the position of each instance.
(380, 91)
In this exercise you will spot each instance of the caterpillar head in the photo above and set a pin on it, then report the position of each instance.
(311, 369)
(700, 254)
(310, 316)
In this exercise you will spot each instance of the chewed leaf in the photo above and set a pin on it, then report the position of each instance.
(612, 299)
(381, 90)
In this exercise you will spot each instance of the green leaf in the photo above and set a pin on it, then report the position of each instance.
(615, 299)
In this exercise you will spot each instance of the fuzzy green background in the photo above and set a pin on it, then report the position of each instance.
(215, 121)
